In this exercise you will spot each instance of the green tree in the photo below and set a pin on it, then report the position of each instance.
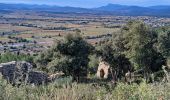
(139, 40)
(163, 45)
(69, 56)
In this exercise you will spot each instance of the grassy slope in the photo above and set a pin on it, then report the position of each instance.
(86, 92)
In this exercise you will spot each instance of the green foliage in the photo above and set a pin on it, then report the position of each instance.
(93, 64)
(7, 57)
(69, 56)
(118, 42)
(90, 91)
(94, 61)
(143, 91)
(61, 82)
(107, 53)
(43, 59)
(164, 43)
(137, 41)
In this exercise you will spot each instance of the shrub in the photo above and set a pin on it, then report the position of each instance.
(7, 57)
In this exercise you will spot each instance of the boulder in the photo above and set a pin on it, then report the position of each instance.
(23, 67)
(37, 78)
(8, 71)
(21, 72)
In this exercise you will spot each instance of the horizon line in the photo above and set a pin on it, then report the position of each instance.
(54, 5)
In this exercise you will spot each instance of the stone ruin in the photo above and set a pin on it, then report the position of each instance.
(103, 70)
(21, 72)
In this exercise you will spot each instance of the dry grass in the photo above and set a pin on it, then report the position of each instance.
(74, 91)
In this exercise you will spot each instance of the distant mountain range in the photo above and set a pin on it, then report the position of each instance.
(136, 10)
(110, 9)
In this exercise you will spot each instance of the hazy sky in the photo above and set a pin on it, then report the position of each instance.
(90, 3)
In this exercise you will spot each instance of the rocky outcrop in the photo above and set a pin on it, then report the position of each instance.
(7, 70)
(21, 72)
(37, 78)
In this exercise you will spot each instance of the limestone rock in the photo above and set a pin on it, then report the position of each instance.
(37, 78)
(52, 77)
(21, 72)
(8, 71)
(103, 70)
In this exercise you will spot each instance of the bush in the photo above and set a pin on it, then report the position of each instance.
(7, 57)
(93, 64)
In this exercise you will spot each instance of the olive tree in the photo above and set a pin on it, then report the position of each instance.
(69, 56)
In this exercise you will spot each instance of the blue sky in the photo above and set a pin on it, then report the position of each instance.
(90, 3)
